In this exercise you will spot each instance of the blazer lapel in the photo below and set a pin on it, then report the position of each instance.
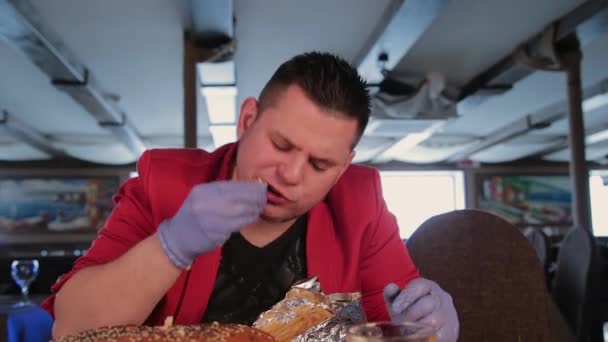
(198, 288)
(323, 252)
(200, 282)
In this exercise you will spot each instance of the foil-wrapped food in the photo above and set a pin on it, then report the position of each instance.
(306, 314)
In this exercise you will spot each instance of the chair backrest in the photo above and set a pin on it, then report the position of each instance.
(541, 244)
(576, 283)
(492, 273)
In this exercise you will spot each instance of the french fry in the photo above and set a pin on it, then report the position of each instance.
(168, 322)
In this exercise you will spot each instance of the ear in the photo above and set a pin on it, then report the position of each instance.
(345, 166)
(247, 116)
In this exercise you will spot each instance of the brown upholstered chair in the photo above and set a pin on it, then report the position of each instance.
(492, 273)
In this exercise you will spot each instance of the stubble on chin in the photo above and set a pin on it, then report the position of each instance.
(270, 219)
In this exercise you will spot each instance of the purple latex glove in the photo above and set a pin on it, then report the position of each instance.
(210, 213)
(423, 301)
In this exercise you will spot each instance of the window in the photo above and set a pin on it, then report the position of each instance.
(598, 189)
(415, 196)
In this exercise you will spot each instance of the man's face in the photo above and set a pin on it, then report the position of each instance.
(297, 148)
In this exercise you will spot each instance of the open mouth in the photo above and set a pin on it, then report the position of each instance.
(274, 191)
(275, 197)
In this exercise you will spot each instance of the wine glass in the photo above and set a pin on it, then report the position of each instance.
(24, 272)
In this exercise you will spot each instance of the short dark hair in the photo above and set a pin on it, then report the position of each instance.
(328, 80)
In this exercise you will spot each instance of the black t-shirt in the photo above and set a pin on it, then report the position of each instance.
(250, 279)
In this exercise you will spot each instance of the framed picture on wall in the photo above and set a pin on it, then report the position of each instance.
(54, 209)
(527, 200)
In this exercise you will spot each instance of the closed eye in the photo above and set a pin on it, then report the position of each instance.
(319, 165)
(281, 146)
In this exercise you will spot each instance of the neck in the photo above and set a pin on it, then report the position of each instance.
(263, 232)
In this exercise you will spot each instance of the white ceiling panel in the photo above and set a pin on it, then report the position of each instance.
(508, 152)
(134, 49)
(532, 94)
(396, 127)
(425, 155)
(370, 147)
(271, 31)
(437, 148)
(27, 93)
(17, 151)
(471, 35)
(593, 152)
(594, 120)
(110, 153)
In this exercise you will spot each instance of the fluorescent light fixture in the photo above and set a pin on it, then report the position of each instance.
(595, 102)
(223, 134)
(219, 91)
(597, 137)
(408, 142)
(372, 125)
(221, 104)
(403, 145)
(216, 73)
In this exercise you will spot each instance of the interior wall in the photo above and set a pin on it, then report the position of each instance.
(473, 172)
(55, 255)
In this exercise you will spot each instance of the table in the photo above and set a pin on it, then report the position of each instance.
(27, 323)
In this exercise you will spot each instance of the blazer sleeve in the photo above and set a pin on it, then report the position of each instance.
(384, 258)
(129, 223)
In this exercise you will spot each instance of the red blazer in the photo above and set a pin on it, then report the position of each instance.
(352, 241)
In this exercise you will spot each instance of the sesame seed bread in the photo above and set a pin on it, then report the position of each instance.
(179, 333)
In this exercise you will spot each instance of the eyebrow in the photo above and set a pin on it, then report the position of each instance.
(327, 161)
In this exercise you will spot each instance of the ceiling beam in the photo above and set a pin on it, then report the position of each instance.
(588, 21)
(107, 114)
(593, 136)
(29, 135)
(513, 130)
(403, 24)
(539, 120)
(579, 171)
(23, 28)
(190, 93)
(212, 22)
(209, 67)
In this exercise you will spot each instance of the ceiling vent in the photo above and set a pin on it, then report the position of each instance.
(428, 100)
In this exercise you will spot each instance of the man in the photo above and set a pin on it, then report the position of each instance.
(221, 236)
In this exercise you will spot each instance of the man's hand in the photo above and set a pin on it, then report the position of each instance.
(210, 213)
(423, 301)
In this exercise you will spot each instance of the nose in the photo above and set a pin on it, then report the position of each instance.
(292, 169)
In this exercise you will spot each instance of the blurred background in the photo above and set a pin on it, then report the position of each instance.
(494, 105)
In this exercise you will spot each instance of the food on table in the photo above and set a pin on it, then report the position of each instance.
(180, 333)
(300, 310)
